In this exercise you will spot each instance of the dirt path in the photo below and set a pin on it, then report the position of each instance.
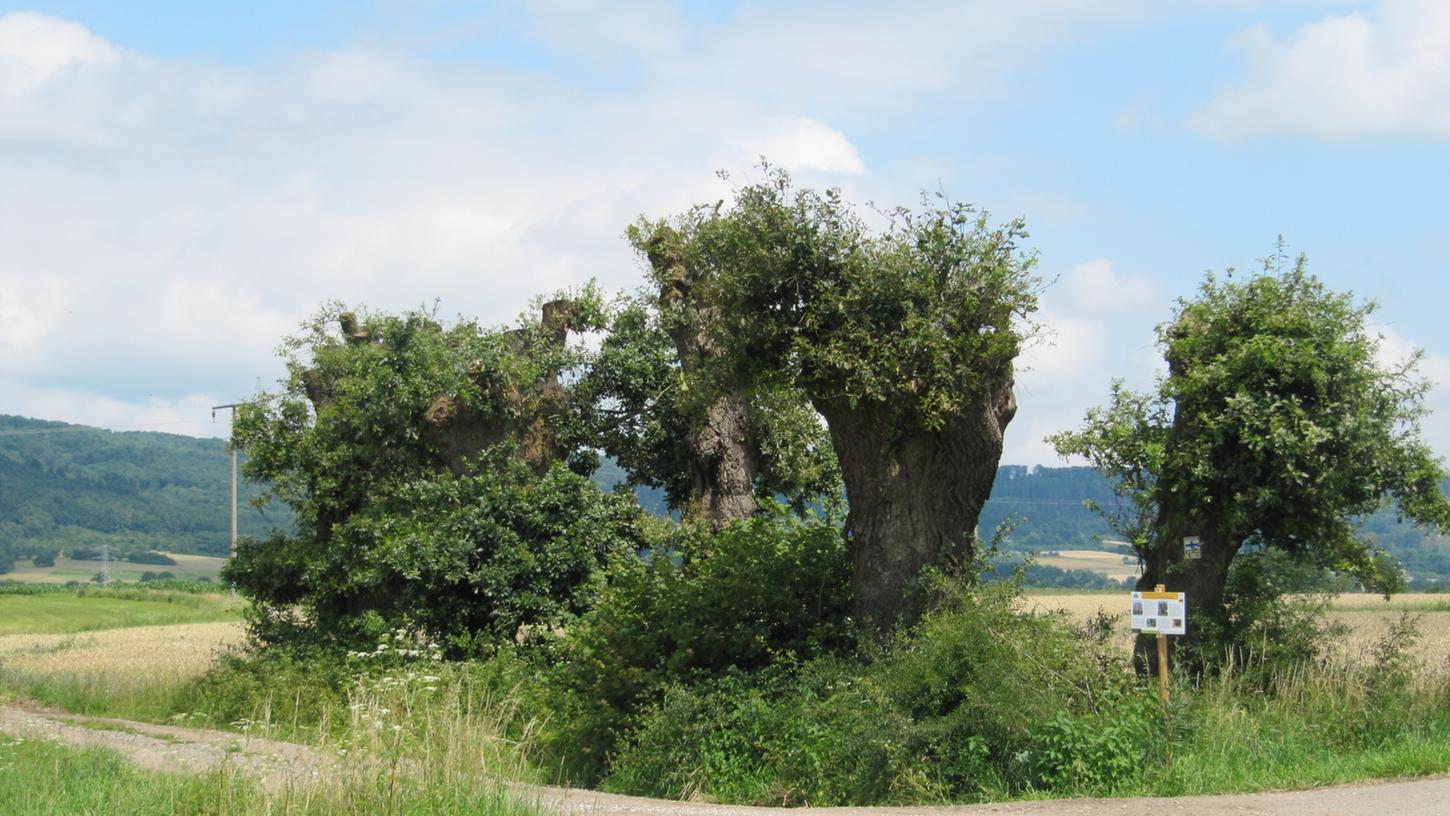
(172, 748)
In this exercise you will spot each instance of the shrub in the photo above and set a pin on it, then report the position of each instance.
(978, 701)
(698, 606)
(468, 561)
(1093, 752)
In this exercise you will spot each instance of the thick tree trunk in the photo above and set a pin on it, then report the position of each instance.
(914, 496)
(1202, 579)
(723, 463)
(461, 434)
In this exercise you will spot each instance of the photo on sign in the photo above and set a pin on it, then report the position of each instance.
(1177, 623)
(1163, 608)
(1137, 607)
(1152, 623)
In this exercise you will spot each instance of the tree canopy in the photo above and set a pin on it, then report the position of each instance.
(426, 468)
(1276, 427)
(655, 407)
(902, 338)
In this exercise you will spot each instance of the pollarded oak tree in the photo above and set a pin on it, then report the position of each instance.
(1275, 427)
(903, 340)
(652, 403)
(424, 464)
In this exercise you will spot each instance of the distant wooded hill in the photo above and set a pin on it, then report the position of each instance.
(68, 486)
(64, 486)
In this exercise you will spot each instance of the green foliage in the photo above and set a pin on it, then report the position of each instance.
(1275, 613)
(979, 701)
(902, 338)
(771, 588)
(1289, 425)
(465, 560)
(640, 404)
(1093, 752)
(923, 315)
(1275, 428)
(416, 458)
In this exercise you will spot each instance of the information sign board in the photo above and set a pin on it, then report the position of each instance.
(1160, 613)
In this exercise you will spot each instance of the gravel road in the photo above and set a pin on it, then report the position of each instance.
(172, 748)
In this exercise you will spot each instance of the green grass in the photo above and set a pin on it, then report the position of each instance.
(43, 778)
(67, 569)
(90, 610)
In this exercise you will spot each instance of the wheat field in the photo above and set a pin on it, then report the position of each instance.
(1368, 618)
(134, 657)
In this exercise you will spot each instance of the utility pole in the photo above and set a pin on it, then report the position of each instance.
(233, 407)
(105, 564)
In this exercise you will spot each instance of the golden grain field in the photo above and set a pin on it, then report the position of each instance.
(1108, 564)
(139, 654)
(1368, 617)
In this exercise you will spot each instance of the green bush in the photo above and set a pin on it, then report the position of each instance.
(1093, 752)
(824, 734)
(701, 605)
(979, 701)
(1273, 616)
(468, 561)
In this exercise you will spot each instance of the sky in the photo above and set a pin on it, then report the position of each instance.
(183, 184)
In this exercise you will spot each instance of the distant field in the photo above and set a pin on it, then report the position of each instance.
(66, 569)
(1109, 564)
(177, 651)
(1367, 616)
(98, 609)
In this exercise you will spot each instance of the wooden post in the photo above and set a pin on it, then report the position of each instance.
(1162, 661)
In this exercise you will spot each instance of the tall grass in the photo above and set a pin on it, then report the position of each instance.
(984, 704)
(397, 736)
(1256, 726)
(45, 778)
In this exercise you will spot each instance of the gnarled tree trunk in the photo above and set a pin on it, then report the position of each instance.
(461, 434)
(1202, 579)
(723, 463)
(914, 495)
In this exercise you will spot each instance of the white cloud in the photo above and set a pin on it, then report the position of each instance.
(1343, 77)
(1095, 286)
(1395, 349)
(1101, 327)
(1058, 377)
(19, 326)
(806, 144)
(189, 414)
(34, 48)
(166, 222)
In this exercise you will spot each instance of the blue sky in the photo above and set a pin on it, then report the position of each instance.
(185, 182)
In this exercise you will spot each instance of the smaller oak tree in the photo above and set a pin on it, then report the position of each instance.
(1275, 427)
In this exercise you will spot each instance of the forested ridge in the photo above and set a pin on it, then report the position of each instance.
(72, 486)
(67, 486)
